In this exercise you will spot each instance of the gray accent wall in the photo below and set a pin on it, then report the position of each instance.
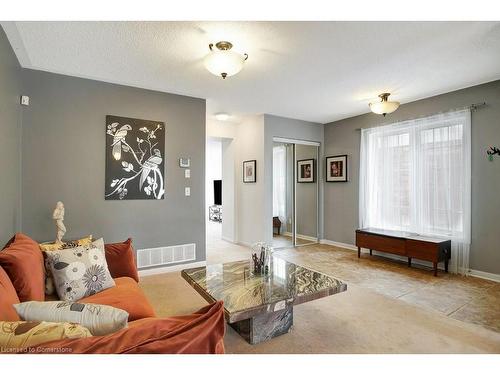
(342, 137)
(10, 141)
(64, 159)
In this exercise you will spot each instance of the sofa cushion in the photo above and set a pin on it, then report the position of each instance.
(8, 297)
(100, 320)
(125, 295)
(81, 271)
(121, 259)
(51, 246)
(198, 333)
(16, 335)
(22, 260)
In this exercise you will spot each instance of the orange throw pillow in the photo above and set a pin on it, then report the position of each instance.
(8, 297)
(22, 260)
(121, 260)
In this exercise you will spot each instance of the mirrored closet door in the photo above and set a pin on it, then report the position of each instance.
(295, 193)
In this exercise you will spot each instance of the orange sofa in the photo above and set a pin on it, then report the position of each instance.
(200, 332)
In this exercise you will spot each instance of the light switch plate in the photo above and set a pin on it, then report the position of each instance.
(25, 100)
(187, 191)
(187, 173)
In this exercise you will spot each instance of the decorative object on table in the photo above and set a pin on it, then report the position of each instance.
(493, 151)
(261, 258)
(305, 170)
(184, 162)
(135, 152)
(250, 171)
(336, 168)
(58, 216)
(215, 213)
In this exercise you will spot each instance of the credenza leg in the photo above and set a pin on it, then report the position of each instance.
(370, 251)
(409, 262)
(359, 252)
(435, 269)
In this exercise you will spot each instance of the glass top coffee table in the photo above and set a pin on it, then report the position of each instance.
(260, 307)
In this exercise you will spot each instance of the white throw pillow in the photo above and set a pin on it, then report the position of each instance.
(80, 271)
(98, 319)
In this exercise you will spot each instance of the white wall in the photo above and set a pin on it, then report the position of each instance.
(228, 190)
(250, 196)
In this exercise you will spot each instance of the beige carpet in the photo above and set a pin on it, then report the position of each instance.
(357, 321)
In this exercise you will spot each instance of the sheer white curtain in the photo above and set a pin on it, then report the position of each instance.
(279, 182)
(416, 176)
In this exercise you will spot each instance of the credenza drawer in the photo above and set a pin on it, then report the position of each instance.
(381, 243)
(422, 250)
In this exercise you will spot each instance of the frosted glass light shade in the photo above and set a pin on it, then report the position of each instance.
(224, 63)
(382, 108)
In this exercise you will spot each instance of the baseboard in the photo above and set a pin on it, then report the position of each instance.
(485, 275)
(300, 236)
(166, 269)
(243, 243)
(338, 244)
(227, 239)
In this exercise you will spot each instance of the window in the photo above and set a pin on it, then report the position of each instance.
(415, 176)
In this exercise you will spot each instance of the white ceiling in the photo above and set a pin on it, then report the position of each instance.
(316, 71)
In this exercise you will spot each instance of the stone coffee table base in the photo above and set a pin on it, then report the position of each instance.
(265, 326)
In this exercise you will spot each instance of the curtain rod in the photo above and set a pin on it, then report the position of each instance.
(473, 107)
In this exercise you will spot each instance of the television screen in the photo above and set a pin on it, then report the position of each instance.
(218, 192)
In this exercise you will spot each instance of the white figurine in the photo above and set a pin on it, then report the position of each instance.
(58, 216)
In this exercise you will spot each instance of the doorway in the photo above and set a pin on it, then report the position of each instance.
(219, 191)
(295, 193)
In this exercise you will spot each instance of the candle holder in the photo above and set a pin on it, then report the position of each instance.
(260, 262)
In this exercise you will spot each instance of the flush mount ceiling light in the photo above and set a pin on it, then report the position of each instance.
(223, 62)
(384, 106)
(222, 116)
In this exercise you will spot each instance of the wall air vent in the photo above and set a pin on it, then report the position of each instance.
(163, 256)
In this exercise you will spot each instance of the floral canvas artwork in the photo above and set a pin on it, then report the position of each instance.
(135, 158)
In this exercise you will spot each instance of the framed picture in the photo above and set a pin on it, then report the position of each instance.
(250, 171)
(336, 168)
(305, 170)
(135, 159)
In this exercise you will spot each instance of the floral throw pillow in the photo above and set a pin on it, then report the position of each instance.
(51, 246)
(81, 271)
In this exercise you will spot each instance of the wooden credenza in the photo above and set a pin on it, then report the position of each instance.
(406, 244)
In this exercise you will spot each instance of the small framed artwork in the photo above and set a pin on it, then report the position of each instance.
(250, 171)
(336, 168)
(305, 170)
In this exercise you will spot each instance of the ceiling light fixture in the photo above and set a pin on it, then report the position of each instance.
(222, 116)
(384, 106)
(223, 62)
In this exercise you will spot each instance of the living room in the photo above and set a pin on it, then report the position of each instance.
(283, 186)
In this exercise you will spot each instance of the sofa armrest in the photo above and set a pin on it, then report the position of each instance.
(198, 333)
(120, 257)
